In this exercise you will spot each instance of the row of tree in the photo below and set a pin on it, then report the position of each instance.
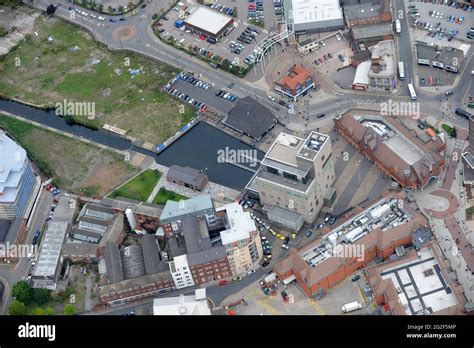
(26, 296)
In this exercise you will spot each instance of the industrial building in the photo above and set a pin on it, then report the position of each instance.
(367, 233)
(313, 16)
(295, 84)
(410, 156)
(250, 118)
(205, 21)
(187, 177)
(93, 222)
(295, 175)
(49, 264)
(421, 283)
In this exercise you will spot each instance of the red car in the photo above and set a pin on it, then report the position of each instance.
(49, 187)
(223, 282)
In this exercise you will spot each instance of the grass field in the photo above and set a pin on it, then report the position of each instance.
(164, 195)
(140, 187)
(74, 165)
(72, 66)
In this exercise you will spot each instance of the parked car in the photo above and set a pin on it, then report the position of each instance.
(252, 271)
(309, 233)
(285, 246)
(287, 240)
(355, 278)
(265, 264)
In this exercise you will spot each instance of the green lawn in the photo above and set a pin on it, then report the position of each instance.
(140, 187)
(64, 63)
(164, 195)
(74, 165)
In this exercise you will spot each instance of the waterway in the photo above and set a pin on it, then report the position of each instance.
(198, 148)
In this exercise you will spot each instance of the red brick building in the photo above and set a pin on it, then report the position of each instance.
(395, 145)
(316, 267)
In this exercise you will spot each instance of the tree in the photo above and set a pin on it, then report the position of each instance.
(41, 296)
(17, 308)
(100, 7)
(120, 9)
(130, 5)
(50, 9)
(38, 311)
(49, 311)
(69, 309)
(22, 291)
(110, 9)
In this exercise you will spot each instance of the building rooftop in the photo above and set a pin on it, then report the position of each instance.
(286, 150)
(250, 117)
(362, 73)
(384, 215)
(308, 11)
(151, 254)
(195, 234)
(113, 263)
(208, 19)
(383, 59)
(182, 305)
(297, 76)
(199, 205)
(187, 175)
(416, 284)
(364, 10)
(372, 30)
(50, 251)
(381, 224)
(208, 255)
(240, 224)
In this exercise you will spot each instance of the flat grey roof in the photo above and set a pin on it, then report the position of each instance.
(284, 214)
(444, 55)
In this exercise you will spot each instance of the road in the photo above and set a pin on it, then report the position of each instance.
(146, 43)
(12, 273)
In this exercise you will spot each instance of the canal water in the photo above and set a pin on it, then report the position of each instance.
(197, 149)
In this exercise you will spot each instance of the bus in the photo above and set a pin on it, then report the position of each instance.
(412, 91)
(401, 71)
(398, 27)
(462, 113)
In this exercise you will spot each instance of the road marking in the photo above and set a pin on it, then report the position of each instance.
(317, 307)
